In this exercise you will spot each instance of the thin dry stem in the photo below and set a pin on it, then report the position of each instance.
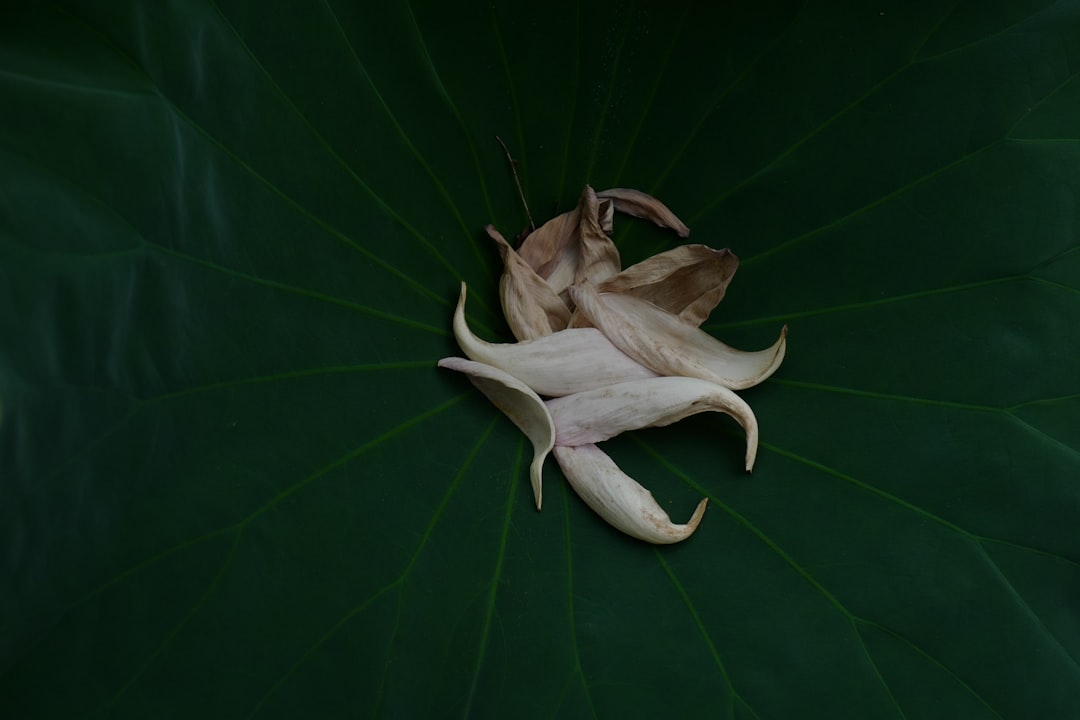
(517, 182)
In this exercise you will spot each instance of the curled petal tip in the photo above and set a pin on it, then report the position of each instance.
(536, 475)
(642, 205)
(519, 403)
(699, 512)
(664, 343)
(751, 445)
(619, 499)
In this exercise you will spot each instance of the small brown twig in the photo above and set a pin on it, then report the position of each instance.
(517, 181)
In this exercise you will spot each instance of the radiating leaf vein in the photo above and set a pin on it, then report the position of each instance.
(853, 619)
(678, 156)
(496, 576)
(733, 694)
(418, 286)
(605, 107)
(303, 292)
(179, 627)
(445, 95)
(397, 584)
(440, 187)
(863, 304)
(579, 670)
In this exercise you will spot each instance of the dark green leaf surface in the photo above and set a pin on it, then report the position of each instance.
(234, 484)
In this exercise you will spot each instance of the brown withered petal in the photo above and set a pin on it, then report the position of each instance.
(552, 249)
(531, 307)
(642, 205)
(599, 259)
(662, 342)
(606, 215)
(689, 280)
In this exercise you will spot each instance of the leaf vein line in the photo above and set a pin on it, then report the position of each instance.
(933, 660)
(715, 104)
(500, 558)
(873, 204)
(579, 669)
(873, 395)
(440, 187)
(700, 625)
(1029, 612)
(900, 502)
(511, 86)
(304, 292)
(163, 647)
(349, 457)
(794, 147)
(398, 583)
(314, 647)
(606, 107)
(241, 524)
(573, 109)
(972, 44)
(449, 100)
(415, 285)
(749, 526)
(774, 547)
(854, 620)
(864, 304)
(650, 99)
(292, 375)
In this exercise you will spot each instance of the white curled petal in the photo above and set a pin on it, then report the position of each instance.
(664, 343)
(619, 499)
(597, 415)
(520, 404)
(565, 362)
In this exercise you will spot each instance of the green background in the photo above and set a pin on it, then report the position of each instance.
(234, 484)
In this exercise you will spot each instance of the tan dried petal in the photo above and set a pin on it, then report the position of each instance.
(599, 258)
(552, 250)
(520, 404)
(662, 342)
(619, 499)
(531, 307)
(689, 280)
(606, 215)
(643, 205)
(562, 363)
(596, 415)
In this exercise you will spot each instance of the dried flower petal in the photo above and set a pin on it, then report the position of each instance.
(599, 258)
(689, 280)
(573, 245)
(520, 404)
(595, 338)
(597, 415)
(662, 342)
(606, 215)
(619, 499)
(552, 249)
(643, 205)
(562, 363)
(531, 307)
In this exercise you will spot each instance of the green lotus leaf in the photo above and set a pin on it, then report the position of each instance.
(234, 484)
